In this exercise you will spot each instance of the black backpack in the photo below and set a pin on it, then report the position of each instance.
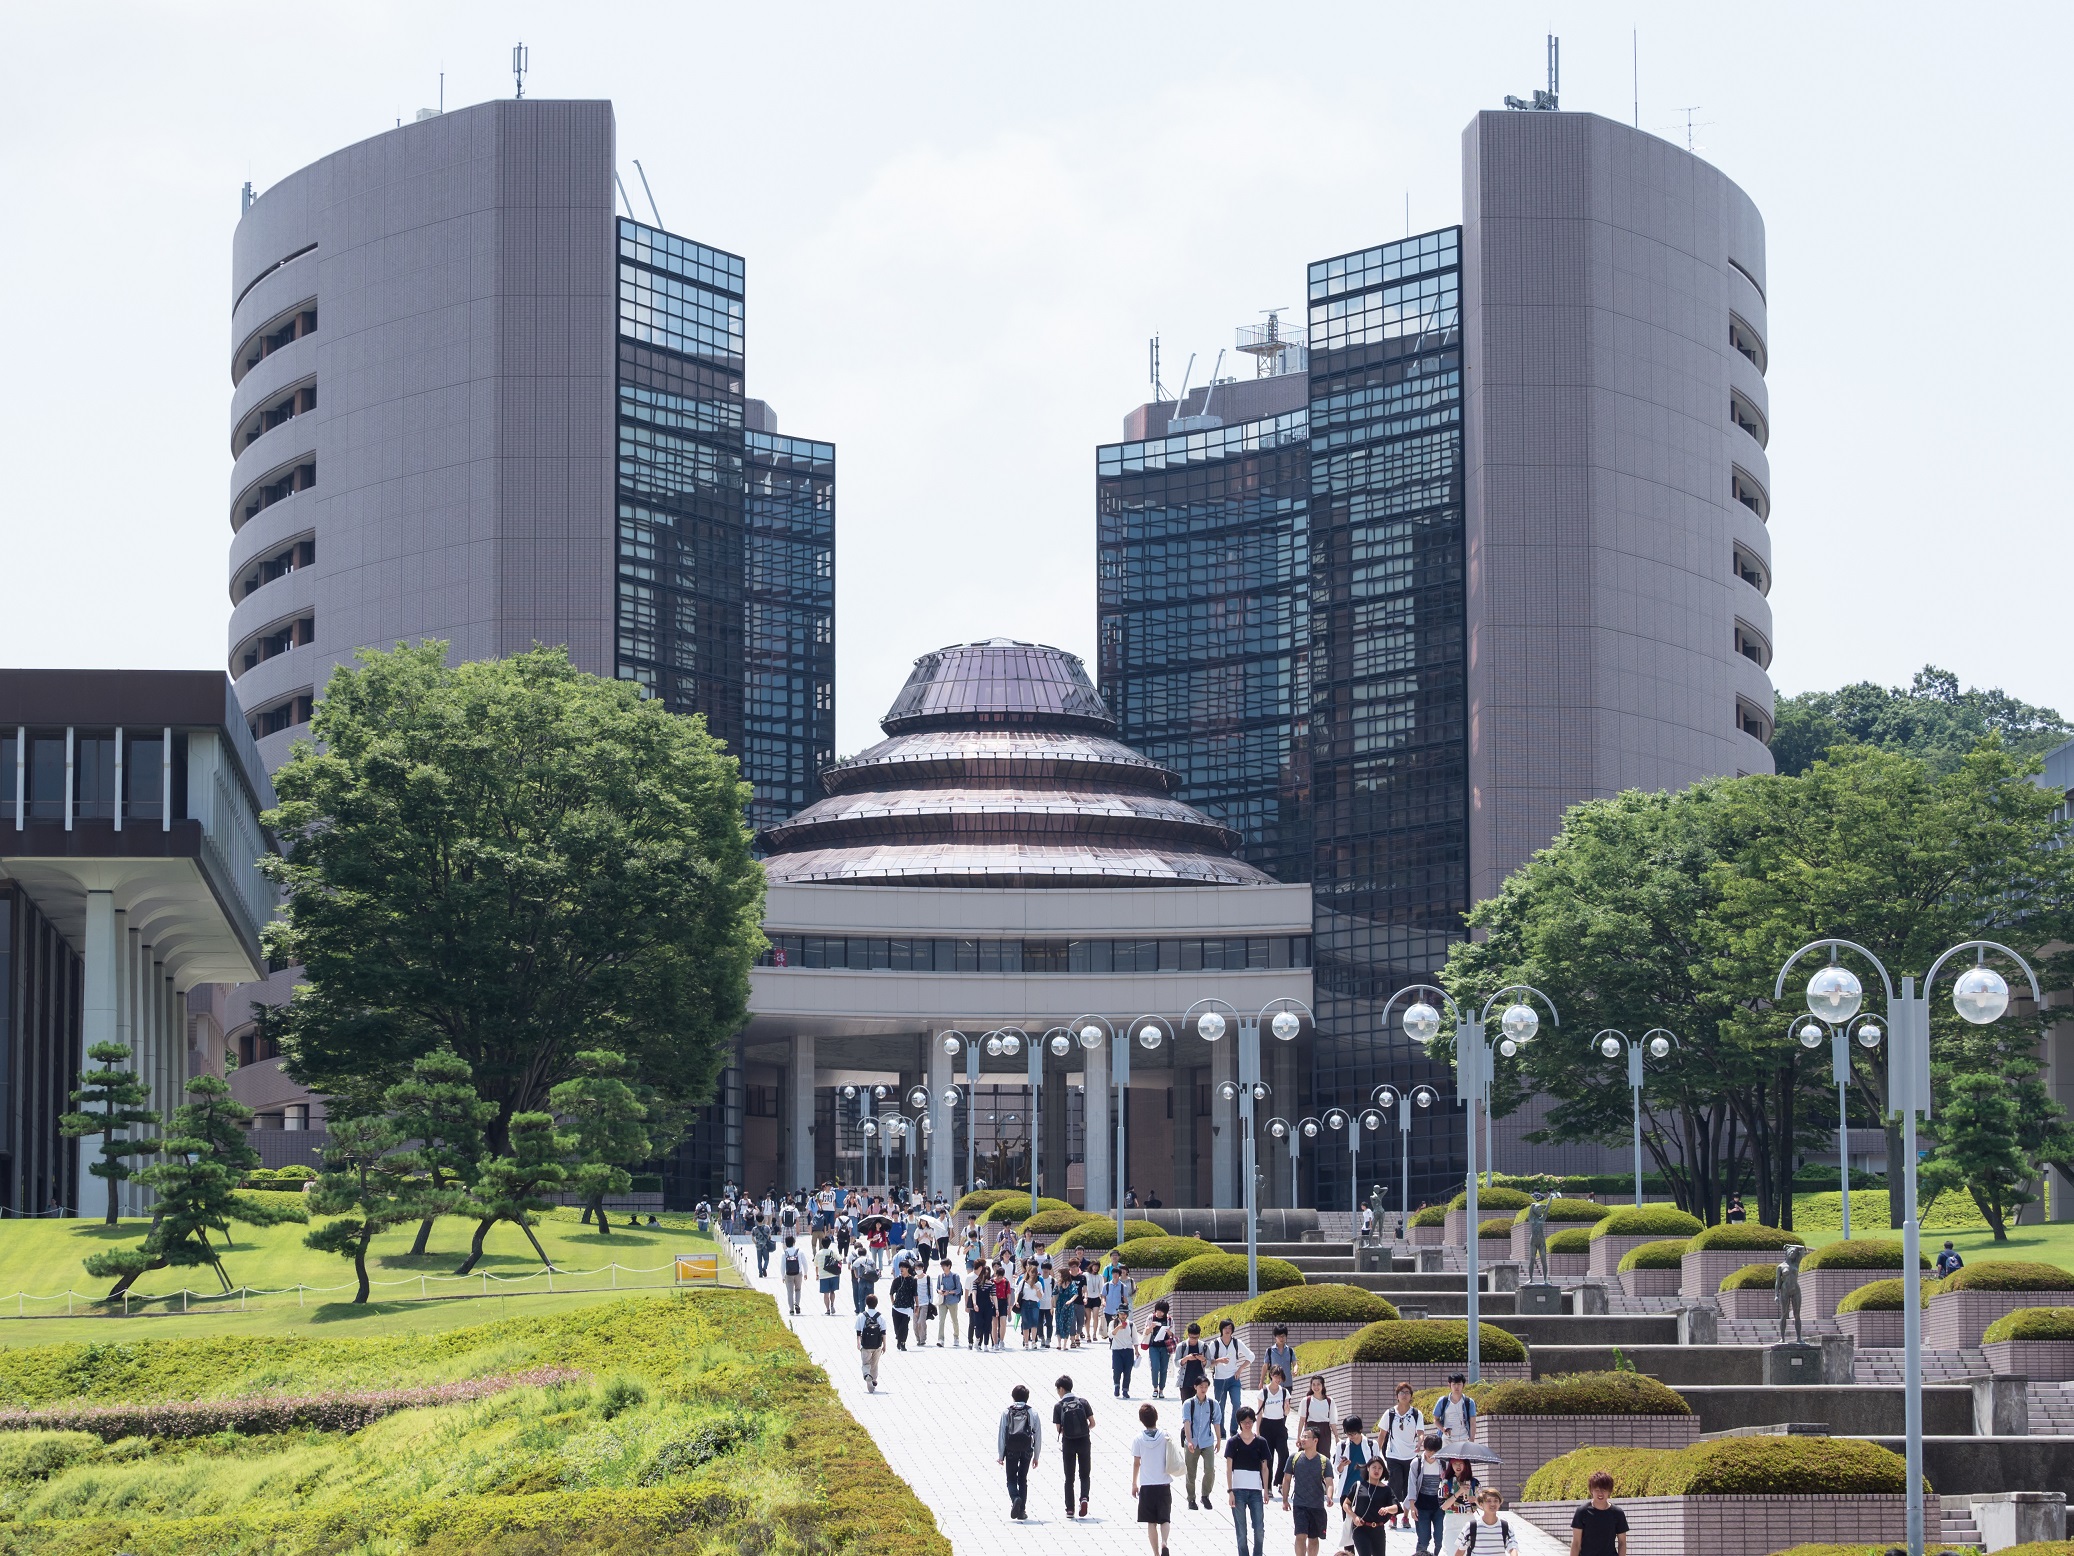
(1075, 1416)
(792, 1261)
(1022, 1425)
(874, 1332)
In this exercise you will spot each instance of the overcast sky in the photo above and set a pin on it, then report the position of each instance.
(962, 224)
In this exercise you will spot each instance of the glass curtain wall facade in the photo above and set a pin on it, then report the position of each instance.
(1389, 699)
(789, 617)
(1203, 551)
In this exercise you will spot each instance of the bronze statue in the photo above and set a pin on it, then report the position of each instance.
(1787, 1291)
(1537, 1235)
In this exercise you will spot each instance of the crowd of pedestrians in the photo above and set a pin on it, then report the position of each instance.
(1279, 1437)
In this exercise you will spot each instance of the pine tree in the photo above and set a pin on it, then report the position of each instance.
(437, 1106)
(119, 1095)
(206, 1156)
(608, 1124)
(516, 1188)
(368, 1186)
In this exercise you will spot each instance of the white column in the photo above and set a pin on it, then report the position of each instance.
(1224, 1122)
(1096, 1163)
(943, 1121)
(98, 1016)
(800, 1166)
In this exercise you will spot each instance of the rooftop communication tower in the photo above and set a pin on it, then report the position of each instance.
(521, 62)
(1273, 349)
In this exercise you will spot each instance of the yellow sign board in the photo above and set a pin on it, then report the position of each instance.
(698, 1266)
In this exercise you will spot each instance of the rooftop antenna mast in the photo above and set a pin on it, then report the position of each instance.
(658, 215)
(521, 62)
(1159, 390)
(1267, 345)
(1555, 68)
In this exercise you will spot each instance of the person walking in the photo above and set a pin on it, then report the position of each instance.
(979, 1302)
(1455, 1412)
(871, 1340)
(793, 1266)
(1001, 1294)
(1246, 1456)
(1153, 1459)
(761, 1238)
(1229, 1357)
(1486, 1532)
(1280, 1353)
(1948, 1260)
(1369, 1510)
(1201, 1436)
(864, 1278)
(1428, 1477)
(1272, 1414)
(1075, 1419)
(1350, 1458)
(1072, 1289)
(1317, 1415)
(1123, 1355)
(1598, 1528)
(831, 1273)
(950, 1302)
(1017, 1445)
(1194, 1360)
(1401, 1428)
(1117, 1292)
(1159, 1347)
(1029, 1302)
(1304, 1480)
(906, 1293)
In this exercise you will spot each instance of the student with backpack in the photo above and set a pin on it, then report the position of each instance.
(1428, 1479)
(1246, 1456)
(1948, 1260)
(831, 1272)
(794, 1269)
(1017, 1444)
(1075, 1419)
(1123, 1355)
(1201, 1435)
(871, 1340)
(1304, 1481)
(1272, 1415)
(761, 1238)
(906, 1293)
(1349, 1467)
(1229, 1357)
(1455, 1412)
(1401, 1428)
(1159, 1347)
(1154, 1462)
(1194, 1361)
(950, 1291)
(1486, 1532)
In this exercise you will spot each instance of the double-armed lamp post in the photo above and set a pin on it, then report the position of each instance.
(1659, 1042)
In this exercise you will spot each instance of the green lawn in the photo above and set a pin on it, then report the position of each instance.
(42, 1260)
(1953, 1216)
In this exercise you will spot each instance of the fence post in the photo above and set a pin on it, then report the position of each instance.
(421, 1284)
(615, 1275)
(550, 1277)
(183, 1299)
(298, 1294)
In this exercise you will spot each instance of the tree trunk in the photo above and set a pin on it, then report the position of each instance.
(126, 1282)
(585, 1218)
(604, 1221)
(360, 1264)
(424, 1237)
(482, 1230)
(544, 1259)
(1991, 1209)
(109, 1219)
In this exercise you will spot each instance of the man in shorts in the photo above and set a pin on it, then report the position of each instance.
(1152, 1483)
(1304, 1485)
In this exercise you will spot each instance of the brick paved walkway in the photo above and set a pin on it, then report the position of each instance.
(934, 1416)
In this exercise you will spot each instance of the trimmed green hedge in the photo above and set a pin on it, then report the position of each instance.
(1750, 1235)
(979, 1199)
(1097, 1234)
(1571, 1239)
(1933, 1548)
(1575, 1394)
(1728, 1466)
(1879, 1296)
(1227, 1272)
(1861, 1253)
(1497, 1226)
(1411, 1340)
(1015, 1211)
(1648, 1220)
(1753, 1277)
(2033, 1323)
(2007, 1275)
(1049, 1223)
(1430, 1215)
(1570, 1210)
(1164, 1253)
(1497, 1198)
(1668, 1254)
(1325, 1303)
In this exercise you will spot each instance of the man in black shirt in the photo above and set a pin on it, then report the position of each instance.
(1075, 1419)
(1246, 1458)
(1599, 1528)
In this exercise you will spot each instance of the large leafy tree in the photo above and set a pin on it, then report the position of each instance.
(609, 1128)
(1930, 719)
(516, 861)
(111, 1104)
(437, 1107)
(206, 1156)
(369, 1184)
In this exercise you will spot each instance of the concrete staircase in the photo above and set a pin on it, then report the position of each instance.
(1958, 1525)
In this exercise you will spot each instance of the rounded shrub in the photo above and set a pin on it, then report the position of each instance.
(1164, 1253)
(1732, 1238)
(1879, 1296)
(1049, 1223)
(1647, 1221)
(1565, 1478)
(2008, 1275)
(1097, 1234)
(1497, 1226)
(1570, 1210)
(1430, 1215)
(1582, 1394)
(1667, 1254)
(1862, 1253)
(1495, 1198)
(1932, 1548)
(2033, 1323)
(1753, 1277)
(1429, 1340)
(1227, 1272)
(1014, 1212)
(1326, 1303)
(979, 1199)
(1571, 1239)
(1728, 1466)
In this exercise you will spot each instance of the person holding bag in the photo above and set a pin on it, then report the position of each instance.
(1155, 1461)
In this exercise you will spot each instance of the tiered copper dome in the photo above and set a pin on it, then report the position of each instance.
(1002, 770)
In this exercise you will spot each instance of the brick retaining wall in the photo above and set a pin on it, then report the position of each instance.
(1650, 1283)
(1956, 1318)
(1873, 1327)
(2042, 1361)
(1745, 1525)
(1607, 1252)
(1526, 1443)
(1367, 1389)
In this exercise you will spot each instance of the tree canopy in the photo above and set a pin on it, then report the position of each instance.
(517, 862)
(1932, 720)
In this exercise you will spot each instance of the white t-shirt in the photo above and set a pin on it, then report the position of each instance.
(1480, 1536)
(1274, 1403)
(1226, 1356)
(1316, 1409)
(1404, 1433)
(1149, 1448)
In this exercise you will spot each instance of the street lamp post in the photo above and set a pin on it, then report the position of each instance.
(1659, 1041)
(1475, 1063)
(1386, 1098)
(1868, 1034)
(1980, 995)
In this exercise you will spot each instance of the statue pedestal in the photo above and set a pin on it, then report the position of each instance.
(1785, 1364)
(1540, 1297)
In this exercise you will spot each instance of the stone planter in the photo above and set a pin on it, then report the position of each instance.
(1872, 1328)
(1821, 1290)
(1526, 1443)
(1747, 1303)
(1607, 1252)
(1519, 1235)
(1569, 1266)
(1428, 1236)
(1491, 1250)
(1651, 1283)
(1703, 1272)
(1258, 1337)
(1185, 1307)
(2042, 1361)
(1367, 1389)
(1745, 1525)
(1955, 1319)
